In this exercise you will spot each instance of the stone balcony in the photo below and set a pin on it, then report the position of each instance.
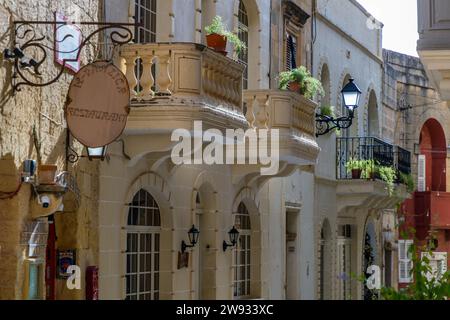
(190, 80)
(173, 85)
(293, 115)
(433, 45)
(360, 192)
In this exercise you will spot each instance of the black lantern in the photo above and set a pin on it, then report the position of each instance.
(96, 153)
(193, 234)
(350, 98)
(234, 235)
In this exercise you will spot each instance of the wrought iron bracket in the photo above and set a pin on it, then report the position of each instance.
(30, 50)
(325, 124)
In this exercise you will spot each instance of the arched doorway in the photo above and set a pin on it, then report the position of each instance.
(432, 158)
(370, 257)
(143, 248)
(373, 126)
(324, 277)
(325, 79)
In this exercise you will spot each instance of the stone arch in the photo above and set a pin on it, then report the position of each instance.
(433, 145)
(325, 78)
(325, 261)
(254, 36)
(371, 121)
(159, 189)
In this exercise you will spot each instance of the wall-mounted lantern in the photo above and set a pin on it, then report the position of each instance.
(193, 235)
(98, 153)
(350, 97)
(234, 235)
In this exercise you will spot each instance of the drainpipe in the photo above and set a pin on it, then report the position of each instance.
(313, 35)
(270, 46)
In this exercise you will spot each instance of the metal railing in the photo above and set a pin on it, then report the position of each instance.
(370, 148)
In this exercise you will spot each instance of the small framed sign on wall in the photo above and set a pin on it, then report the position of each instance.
(68, 38)
(65, 258)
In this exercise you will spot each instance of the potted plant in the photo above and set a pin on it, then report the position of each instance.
(217, 36)
(300, 80)
(369, 169)
(47, 173)
(388, 175)
(355, 167)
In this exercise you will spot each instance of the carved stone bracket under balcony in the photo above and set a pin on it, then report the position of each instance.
(369, 194)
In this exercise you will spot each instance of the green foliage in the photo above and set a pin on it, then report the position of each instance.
(218, 27)
(353, 164)
(426, 286)
(408, 181)
(388, 175)
(369, 169)
(328, 111)
(309, 86)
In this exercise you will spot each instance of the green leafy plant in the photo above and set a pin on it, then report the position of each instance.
(370, 167)
(218, 27)
(353, 164)
(328, 111)
(388, 175)
(426, 285)
(308, 85)
(408, 181)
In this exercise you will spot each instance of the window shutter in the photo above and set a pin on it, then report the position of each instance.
(421, 168)
(404, 261)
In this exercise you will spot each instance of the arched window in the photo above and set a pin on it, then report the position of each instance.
(145, 14)
(242, 266)
(143, 248)
(243, 36)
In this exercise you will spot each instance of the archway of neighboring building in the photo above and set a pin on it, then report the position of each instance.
(433, 149)
(325, 79)
(373, 126)
(324, 276)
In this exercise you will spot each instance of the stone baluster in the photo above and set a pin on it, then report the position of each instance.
(164, 80)
(147, 80)
(250, 115)
(263, 114)
(130, 64)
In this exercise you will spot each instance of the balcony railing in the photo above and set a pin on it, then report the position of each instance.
(370, 148)
(185, 72)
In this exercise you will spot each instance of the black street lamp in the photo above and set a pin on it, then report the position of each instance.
(350, 97)
(193, 234)
(234, 235)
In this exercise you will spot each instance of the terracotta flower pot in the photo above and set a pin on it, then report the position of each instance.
(356, 173)
(294, 86)
(47, 173)
(217, 42)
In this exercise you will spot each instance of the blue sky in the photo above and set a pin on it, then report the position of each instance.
(400, 23)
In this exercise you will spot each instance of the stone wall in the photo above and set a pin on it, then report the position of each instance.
(32, 126)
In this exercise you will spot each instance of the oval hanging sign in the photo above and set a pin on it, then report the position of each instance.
(98, 104)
